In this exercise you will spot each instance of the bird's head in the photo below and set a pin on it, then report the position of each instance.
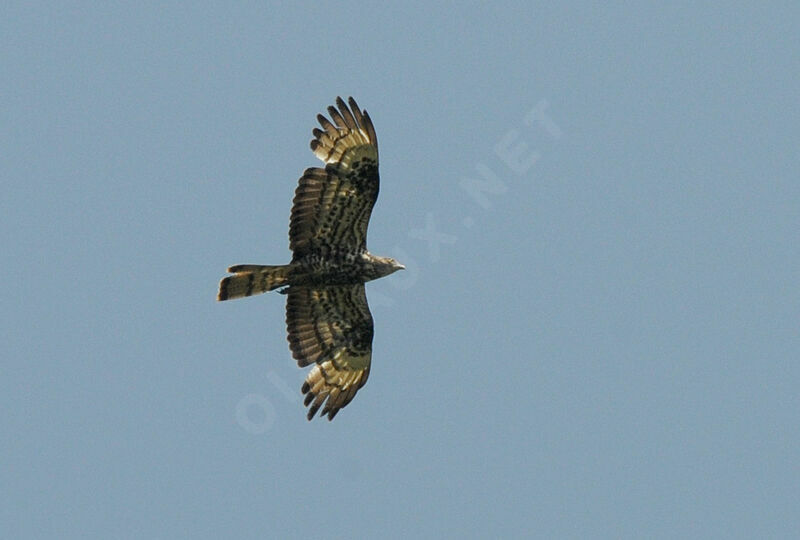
(387, 266)
(394, 265)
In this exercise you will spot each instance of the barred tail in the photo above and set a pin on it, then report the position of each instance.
(250, 279)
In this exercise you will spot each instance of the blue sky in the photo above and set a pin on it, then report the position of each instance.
(597, 334)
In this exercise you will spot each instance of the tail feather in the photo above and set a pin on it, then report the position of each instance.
(250, 279)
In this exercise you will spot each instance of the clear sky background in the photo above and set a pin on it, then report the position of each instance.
(597, 334)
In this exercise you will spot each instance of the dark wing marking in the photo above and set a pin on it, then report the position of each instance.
(330, 327)
(332, 206)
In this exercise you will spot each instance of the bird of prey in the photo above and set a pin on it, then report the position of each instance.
(327, 317)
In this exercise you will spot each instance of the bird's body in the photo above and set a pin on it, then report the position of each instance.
(327, 315)
(340, 269)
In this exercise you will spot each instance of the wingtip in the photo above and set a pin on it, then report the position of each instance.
(312, 411)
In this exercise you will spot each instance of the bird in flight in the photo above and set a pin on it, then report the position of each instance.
(327, 316)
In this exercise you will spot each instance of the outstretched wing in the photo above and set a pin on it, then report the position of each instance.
(330, 327)
(332, 205)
